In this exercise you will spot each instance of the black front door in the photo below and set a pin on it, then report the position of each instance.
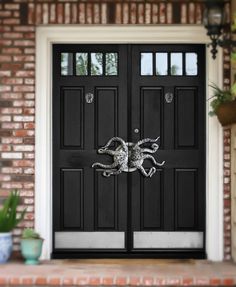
(128, 93)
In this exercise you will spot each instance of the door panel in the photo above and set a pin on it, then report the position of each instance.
(186, 117)
(133, 92)
(186, 186)
(151, 111)
(72, 193)
(106, 114)
(89, 107)
(72, 117)
(151, 199)
(105, 201)
(171, 106)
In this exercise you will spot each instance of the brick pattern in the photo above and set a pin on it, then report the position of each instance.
(18, 20)
(226, 163)
(115, 12)
(117, 281)
(227, 194)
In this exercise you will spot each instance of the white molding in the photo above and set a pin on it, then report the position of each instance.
(45, 37)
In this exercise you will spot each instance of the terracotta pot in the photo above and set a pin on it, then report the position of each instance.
(226, 113)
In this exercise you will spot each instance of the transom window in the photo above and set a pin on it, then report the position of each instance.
(168, 64)
(89, 64)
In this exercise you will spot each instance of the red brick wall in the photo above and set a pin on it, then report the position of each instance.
(227, 195)
(18, 21)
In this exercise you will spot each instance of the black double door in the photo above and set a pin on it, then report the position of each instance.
(132, 92)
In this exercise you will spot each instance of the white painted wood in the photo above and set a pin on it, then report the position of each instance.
(173, 239)
(87, 240)
(45, 37)
(214, 166)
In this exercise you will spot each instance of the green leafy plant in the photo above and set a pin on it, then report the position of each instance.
(9, 218)
(30, 233)
(221, 96)
(233, 29)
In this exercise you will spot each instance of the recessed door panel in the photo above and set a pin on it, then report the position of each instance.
(72, 181)
(151, 199)
(151, 103)
(186, 117)
(72, 117)
(105, 201)
(186, 185)
(106, 111)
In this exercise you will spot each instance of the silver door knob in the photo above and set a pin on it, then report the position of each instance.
(136, 131)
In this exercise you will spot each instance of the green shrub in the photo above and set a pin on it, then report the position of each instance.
(9, 218)
(30, 233)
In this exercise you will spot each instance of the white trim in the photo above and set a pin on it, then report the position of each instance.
(45, 37)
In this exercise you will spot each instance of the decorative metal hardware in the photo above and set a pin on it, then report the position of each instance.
(129, 157)
(136, 131)
(169, 97)
(89, 98)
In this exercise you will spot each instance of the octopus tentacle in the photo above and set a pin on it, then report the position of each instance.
(108, 173)
(154, 146)
(114, 164)
(146, 140)
(107, 151)
(150, 173)
(148, 156)
(123, 144)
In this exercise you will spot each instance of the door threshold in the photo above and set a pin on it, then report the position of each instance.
(136, 255)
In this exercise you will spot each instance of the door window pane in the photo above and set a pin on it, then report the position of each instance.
(191, 64)
(111, 64)
(96, 64)
(176, 64)
(81, 64)
(161, 64)
(146, 64)
(66, 64)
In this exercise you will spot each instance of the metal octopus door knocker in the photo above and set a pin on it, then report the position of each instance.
(129, 157)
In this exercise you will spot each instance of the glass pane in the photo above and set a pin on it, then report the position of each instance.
(96, 64)
(191, 64)
(66, 64)
(111, 64)
(146, 64)
(161, 64)
(176, 64)
(81, 64)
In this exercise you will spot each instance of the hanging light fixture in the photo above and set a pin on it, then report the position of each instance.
(214, 20)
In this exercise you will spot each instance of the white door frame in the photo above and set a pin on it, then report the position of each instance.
(45, 37)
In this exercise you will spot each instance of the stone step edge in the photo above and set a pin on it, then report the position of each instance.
(116, 281)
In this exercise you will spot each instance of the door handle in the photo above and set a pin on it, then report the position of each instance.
(129, 157)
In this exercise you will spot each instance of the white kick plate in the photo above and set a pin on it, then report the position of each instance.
(89, 240)
(193, 240)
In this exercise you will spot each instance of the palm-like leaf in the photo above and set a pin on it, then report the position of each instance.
(8, 214)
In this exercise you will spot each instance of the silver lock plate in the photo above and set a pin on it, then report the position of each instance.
(169, 97)
(89, 98)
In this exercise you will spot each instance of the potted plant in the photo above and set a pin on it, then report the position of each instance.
(8, 221)
(31, 246)
(224, 105)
